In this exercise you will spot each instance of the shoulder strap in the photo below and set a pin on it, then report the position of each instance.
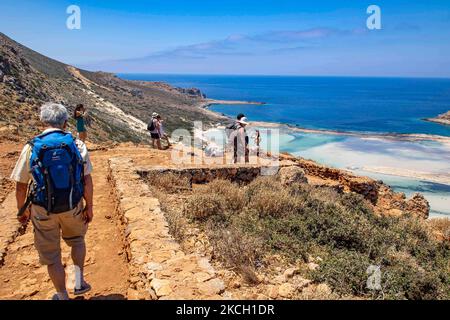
(43, 135)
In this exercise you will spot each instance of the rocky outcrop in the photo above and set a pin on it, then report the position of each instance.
(193, 92)
(158, 267)
(418, 205)
(384, 200)
(292, 174)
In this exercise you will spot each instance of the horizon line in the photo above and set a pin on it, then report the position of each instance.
(279, 75)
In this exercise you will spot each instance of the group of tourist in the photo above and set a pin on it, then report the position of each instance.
(238, 138)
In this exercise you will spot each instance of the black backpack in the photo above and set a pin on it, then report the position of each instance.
(230, 128)
(151, 126)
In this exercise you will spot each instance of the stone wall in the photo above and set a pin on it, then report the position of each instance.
(158, 267)
(244, 174)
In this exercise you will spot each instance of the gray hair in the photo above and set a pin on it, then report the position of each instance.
(54, 114)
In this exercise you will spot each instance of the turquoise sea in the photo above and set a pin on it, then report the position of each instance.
(371, 107)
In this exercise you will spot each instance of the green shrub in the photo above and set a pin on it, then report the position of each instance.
(299, 220)
(230, 192)
(344, 271)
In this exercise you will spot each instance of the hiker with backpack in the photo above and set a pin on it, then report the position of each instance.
(53, 174)
(154, 127)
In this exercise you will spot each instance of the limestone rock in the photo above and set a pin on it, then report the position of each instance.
(323, 289)
(289, 273)
(211, 287)
(292, 174)
(286, 290)
(273, 292)
(161, 287)
(312, 266)
(418, 206)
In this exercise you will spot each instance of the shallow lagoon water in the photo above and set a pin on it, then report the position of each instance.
(364, 155)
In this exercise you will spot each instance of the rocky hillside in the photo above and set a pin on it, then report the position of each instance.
(119, 109)
(442, 118)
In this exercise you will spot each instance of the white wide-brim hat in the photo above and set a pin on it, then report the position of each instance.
(244, 120)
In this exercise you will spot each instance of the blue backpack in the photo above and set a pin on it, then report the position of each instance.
(58, 171)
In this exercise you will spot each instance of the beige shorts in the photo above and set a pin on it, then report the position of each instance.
(48, 230)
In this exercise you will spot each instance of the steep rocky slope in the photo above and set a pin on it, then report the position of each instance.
(118, 109)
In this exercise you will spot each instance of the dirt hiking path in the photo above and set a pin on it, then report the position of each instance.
(22, 277)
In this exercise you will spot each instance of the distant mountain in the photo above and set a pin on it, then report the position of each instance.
(119, 109)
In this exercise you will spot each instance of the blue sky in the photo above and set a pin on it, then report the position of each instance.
(239, 37)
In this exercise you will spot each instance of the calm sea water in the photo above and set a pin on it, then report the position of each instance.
(373, 105)
(393, 105)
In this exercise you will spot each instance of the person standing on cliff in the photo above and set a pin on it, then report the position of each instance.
(53, 173)
(240, 141)
(155, 131)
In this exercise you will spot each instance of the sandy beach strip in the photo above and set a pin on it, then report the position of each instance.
(442, 178)
(387, 136)
(205, 104)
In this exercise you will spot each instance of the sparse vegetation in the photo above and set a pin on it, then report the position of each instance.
(169, 182)
(246, 223)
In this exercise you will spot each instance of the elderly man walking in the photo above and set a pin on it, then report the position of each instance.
(54, 173)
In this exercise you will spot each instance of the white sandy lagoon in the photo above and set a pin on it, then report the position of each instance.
(408, 166)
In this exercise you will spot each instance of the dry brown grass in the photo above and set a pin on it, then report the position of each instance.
(236, 250)
(177, 224)
(202, 206)
(169, 182)
(441, 226)
(233, 198)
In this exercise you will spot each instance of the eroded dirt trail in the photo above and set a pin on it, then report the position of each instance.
(21, 276)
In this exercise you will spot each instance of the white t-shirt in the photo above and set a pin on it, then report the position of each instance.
(21, 172)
